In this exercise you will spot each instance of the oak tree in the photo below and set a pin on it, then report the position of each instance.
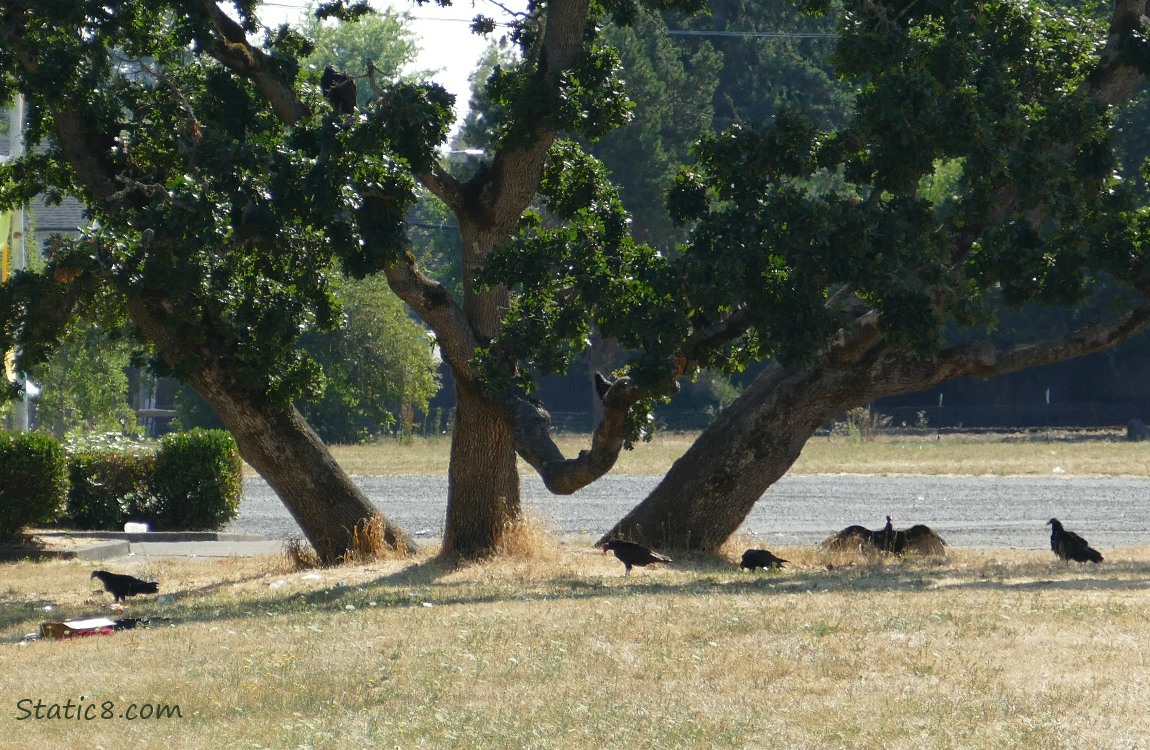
(821, 248)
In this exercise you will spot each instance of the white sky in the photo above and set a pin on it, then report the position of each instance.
(443, 35)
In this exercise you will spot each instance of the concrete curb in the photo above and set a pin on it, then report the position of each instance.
(92, 552)
(157, 536)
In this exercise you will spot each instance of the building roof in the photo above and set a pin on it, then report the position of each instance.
(67, 217)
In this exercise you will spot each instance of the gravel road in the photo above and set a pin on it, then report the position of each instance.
(975, 512)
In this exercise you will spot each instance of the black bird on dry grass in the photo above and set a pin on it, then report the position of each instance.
(121, 586)
(1069, 546)
(918, 538)
(761, 558)
(632, 554)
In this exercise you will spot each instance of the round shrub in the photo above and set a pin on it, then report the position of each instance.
(33, 482)
(197, 482)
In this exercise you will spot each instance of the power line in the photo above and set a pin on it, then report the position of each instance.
(758, 34)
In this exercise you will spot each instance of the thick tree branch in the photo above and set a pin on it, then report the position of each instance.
(233, 50)
(562, 476)
(445, 187)
(502, 192)
(435, 305)
(895, 372)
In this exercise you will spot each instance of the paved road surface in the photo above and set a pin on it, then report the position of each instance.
(979, 512)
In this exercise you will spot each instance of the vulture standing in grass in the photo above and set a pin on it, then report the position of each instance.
(122, 586)
(761, 558)
(918, 538)
(1069, 546)
(632, 554)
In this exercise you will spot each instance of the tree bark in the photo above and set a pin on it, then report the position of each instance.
(279, 444)
(483, 480)
(287, 453)
(709, 491)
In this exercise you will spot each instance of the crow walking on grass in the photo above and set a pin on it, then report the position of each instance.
(121, 586)
(632, 554)
(761, 558)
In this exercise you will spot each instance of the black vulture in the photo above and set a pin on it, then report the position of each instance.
(918, 538)
(602, 385)
(1069, 546)
(761, 558)
(339, 90)
(859, 538)
(921, 539)
(633, 554)
(122, 586)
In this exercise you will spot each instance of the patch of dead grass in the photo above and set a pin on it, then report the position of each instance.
(1033, 453)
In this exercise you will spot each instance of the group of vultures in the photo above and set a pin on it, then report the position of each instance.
(919, 539)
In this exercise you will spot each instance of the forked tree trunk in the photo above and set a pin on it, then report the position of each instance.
(483, 480)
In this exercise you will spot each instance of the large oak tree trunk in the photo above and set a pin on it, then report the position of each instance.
(279, 444)
(483, 481)
(709, 491)
(287, 453)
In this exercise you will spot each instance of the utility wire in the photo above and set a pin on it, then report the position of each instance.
(679, 32)
(761, 34)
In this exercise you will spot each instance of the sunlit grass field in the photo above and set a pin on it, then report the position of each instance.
(559, 650)
(1039, 453)
(550, 646)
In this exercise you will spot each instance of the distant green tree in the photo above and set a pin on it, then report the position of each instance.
(776, 58)
(435, 242)
(671, 86)
(385, 40)
(378, 369)
(377, 365)
(484, 112)
(84, 386)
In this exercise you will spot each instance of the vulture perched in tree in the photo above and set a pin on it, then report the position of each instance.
(1069, 546)
(632, 554)
(918, 538)
(339, 90)
(761, 558)
(122, 586)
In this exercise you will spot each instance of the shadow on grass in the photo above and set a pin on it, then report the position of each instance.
(421, 585)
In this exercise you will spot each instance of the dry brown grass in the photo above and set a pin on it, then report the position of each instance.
(1095, 453)
(980, 650)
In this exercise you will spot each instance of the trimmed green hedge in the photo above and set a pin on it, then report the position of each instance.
(192, 481)
(197, 480)
(108, 488)
(33, 482)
